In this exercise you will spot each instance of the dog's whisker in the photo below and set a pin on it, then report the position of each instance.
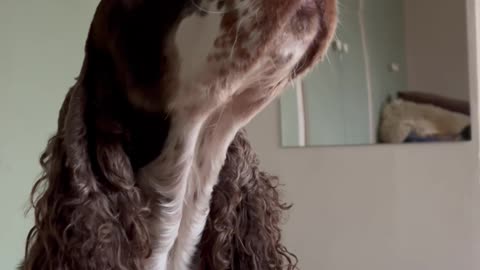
(327, 56)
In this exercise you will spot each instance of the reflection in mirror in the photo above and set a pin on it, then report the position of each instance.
(397, 72)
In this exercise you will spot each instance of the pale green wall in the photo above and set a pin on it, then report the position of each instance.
(324, 105)
(41, 51)
(385, 35)
(289, 118)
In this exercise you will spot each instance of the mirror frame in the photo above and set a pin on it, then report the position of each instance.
(473, 34)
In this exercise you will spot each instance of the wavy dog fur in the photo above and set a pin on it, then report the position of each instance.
(87, 220)
(243, 229)
(89, 214)
(92, 211)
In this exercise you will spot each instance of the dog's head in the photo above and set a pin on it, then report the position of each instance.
(140, 54)
(170, 45)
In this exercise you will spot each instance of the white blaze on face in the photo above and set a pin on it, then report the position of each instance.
(195, 41)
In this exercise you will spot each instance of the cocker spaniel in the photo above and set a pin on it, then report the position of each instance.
(149, 168)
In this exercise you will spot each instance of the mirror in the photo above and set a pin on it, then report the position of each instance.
(397, 72)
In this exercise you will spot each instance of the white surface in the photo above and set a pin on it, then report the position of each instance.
(301, 114)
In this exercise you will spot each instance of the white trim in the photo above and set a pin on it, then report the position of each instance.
(368, 74)
(473, 28)
(300, 113)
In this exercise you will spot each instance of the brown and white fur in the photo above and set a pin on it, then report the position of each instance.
(209, 66)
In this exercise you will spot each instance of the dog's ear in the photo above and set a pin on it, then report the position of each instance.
(89, 214)
(243, 229)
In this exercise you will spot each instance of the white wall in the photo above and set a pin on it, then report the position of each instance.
(436, 45)
(374, 207)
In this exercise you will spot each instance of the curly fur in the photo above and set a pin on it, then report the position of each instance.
(83, 221)
(243, 229)
(89, 214)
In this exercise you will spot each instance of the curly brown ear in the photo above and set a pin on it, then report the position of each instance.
(88, 212)
(243, 229)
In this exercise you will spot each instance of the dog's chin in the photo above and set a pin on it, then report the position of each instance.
(322, 17)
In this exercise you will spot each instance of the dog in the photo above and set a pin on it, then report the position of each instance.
(150, 168)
